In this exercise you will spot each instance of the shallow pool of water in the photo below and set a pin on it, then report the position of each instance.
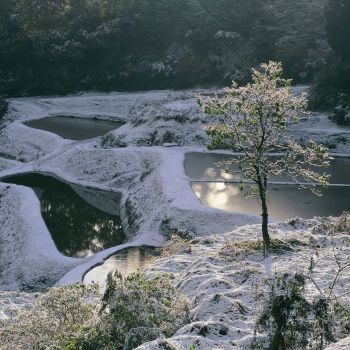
(126, 262)
(81, 221)
(204, 166)
(74, 128)
(285, 201)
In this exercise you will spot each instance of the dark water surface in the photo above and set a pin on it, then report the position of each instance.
(126, 261)
(74, 128)
(79, 227)
(285, 201)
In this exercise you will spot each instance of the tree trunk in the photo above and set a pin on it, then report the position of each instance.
(265, 216)
(265, 230)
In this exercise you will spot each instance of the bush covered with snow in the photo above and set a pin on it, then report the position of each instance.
(135, 309)
(132, 311)
(56, 318)
(290, 321)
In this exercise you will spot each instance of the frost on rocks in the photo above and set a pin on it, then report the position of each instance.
(341, 345)
(319, 127)
(29, 258)
(156, 201)
(155, 195)
(225, 279)
(23, 144)
(173, 118)
(8, 164)
(13, 302)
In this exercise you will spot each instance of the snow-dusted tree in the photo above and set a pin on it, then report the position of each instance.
(253, 119)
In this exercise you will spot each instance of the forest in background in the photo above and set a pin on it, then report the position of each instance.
(63, 46)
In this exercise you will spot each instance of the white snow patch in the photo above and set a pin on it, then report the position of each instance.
(224, 282)
(29, 258)
(156, 197)
(24, 144)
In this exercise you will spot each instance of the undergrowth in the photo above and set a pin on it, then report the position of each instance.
(132, 311)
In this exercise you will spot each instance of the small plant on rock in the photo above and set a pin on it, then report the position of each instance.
(176, 245)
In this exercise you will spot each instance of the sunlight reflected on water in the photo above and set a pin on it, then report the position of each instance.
(126, 262)
(284, 201)
(206, 166)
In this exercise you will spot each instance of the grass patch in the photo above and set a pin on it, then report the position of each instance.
(339, 225)
(278, 246)
(176, 245)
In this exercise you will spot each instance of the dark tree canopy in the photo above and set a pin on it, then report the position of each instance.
(332, 84)
(60, 46)
(338, 27)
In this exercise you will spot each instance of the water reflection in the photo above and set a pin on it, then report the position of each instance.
(78, 228)
(204, 166)
(284, 201)
(126, 261)
(74, 128)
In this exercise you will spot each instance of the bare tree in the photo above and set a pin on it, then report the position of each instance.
(253, 119)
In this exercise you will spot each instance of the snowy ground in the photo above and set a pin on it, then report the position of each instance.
(225, 279)
(157, 199)
(156, 195)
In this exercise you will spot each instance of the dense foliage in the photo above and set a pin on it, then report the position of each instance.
(135, 310)
(338, 28)
(291, 321)
(132, 311)
(333, 81)
(57, 317)
(3, 108)
(57, 46)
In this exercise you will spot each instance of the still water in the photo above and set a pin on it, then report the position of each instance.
(74, 128)
(81, 221)
(285, 201)
(126, 262)
(204, 166)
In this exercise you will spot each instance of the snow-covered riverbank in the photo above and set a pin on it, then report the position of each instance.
(225, 278)
(156, 195)
(157, 200)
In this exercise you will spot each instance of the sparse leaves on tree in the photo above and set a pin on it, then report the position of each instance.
(253, 119)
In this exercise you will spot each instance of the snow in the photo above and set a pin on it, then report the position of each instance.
(113, 105)
(29, 258)
(12, 302)
(226, 285)
(320, 128)
(156, 200)
(160, 119)
(8, 163)
(33, 143)
(156, 197)
(344, 344)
